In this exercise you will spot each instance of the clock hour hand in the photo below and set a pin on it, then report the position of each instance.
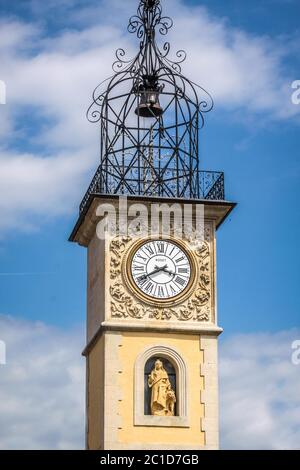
(165, 270)
(169, 272)
(156, 270)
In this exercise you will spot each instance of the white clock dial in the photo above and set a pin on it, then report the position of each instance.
(160, 269)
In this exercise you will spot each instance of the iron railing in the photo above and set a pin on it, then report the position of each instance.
(210, 186)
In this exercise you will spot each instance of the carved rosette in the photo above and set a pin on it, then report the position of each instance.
(197, 308)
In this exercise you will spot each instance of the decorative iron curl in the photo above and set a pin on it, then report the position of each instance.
(93, 113)
(165, 23)
(166, 48)
(136, 25)
(181, 54)
(205, 105)
(121, 63)
(149, 16)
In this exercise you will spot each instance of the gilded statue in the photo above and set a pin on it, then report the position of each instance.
(163, 398)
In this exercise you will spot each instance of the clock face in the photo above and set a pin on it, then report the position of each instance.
(160, 269)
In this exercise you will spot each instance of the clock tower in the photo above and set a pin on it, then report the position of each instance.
(149, 222)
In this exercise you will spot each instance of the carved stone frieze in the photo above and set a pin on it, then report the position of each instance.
(197, 308)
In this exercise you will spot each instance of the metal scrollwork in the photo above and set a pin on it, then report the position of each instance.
(162, 159)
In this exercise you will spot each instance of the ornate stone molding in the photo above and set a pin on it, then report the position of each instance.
(124, 304)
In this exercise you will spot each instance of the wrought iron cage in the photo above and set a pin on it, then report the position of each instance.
(150, 116)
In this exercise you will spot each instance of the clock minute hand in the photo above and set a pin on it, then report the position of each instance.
(157, 270)
(169, 272)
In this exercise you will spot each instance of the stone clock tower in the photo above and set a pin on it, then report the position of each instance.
(149, 222)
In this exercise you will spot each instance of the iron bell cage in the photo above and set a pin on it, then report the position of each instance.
(150, 116)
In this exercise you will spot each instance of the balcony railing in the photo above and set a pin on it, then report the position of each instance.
(206, 185)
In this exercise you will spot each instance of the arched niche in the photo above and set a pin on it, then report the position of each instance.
(172, 357)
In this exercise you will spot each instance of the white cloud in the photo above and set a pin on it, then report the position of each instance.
(16, 37)
(50, 79)
(43, 187)
(260, 403)
(243, 72)
(42, 389)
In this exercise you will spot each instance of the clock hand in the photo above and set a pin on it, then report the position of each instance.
(169, 272)
(156, 270)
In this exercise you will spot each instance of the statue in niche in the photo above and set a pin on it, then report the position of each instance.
(163, 398)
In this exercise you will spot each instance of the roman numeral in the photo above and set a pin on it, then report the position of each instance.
(172, 289)
(180, 281)
(172, 250)
(141, 280)
(149, 288)
(141, 257)
(160, 248)
(182, 270)
(179, 259)
(150, 250)
(138, 268)
(160, 291)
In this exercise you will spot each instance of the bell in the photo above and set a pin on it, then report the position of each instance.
(149, 106)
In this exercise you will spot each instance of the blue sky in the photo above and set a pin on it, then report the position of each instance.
(52, 55)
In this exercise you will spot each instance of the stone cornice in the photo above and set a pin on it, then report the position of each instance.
(170, 328)
(85, 226)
